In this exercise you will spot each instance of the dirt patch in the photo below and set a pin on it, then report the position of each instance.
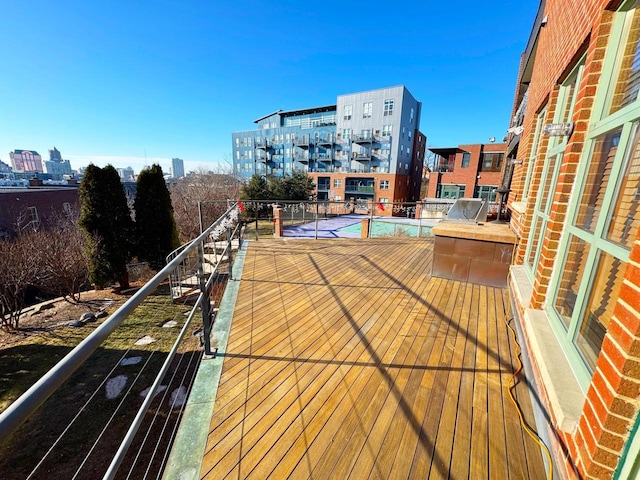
(52, 315)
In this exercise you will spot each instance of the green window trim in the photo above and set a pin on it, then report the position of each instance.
(595, 194)
(552, 161)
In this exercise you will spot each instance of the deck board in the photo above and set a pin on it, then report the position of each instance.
(346, 359)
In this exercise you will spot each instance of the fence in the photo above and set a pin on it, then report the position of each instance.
(113, 403)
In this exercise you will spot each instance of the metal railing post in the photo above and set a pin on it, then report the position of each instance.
(255, 209)
(419, 220)
(200, 217)
(316, 219)
(373, 205)
(230, 254)
(205, 302)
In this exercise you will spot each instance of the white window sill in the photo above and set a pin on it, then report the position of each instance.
(563, 391)
(519, 207)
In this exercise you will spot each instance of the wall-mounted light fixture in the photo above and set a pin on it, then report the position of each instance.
(544, 21)
(558, 129)
(517, 161)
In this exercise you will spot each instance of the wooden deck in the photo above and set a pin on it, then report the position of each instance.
(347, 360)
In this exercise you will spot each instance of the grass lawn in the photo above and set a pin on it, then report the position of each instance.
(26, 356)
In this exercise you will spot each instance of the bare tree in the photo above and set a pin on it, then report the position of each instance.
(211, 190)
(63, 262)
(19, 267)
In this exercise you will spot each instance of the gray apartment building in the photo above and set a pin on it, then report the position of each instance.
(366, 146)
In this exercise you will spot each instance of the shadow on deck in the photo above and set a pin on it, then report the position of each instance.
(346, 359)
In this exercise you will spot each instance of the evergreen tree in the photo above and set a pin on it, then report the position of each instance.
(106, 220)
(156, 232)
(297, 186)
(256, 189)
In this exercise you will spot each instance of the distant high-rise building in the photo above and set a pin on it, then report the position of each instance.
(4, 168)
(127, 174)
(56, 166)
(177, 167)
(26, 161)
(55, 155)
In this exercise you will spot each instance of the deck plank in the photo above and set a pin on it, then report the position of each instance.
(346, 359)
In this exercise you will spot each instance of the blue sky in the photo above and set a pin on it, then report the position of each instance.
(138, 82)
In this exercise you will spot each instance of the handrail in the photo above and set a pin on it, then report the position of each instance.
(37, 394)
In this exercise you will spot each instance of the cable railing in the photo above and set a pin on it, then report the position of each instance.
(113, 403)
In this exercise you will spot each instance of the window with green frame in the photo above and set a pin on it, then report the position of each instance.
(604, 211)
(548, 179)
(535, 151)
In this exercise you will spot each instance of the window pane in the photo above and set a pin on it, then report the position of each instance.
(627, 84)
(597, 179)
(568, 102)
(535, 234)
(545, 192)
(625, 217)
(602, 300)
(572, 272)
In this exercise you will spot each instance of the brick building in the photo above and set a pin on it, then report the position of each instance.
(574, 171)
(467, 171)
(33, 208)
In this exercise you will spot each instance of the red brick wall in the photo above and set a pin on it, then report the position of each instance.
(48, 201)
(611, 406)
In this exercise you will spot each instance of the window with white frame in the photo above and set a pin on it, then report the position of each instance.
(411, 115)
(384, 184)
(337, 183)
(367, 109)
(348, 112)
(386, 130)
(388, 108)
(346, 133)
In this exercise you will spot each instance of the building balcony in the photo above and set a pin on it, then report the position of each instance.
(263, 143)
(366, 138)
(367, 189)
(446, 168)
(263, 158)
(360, 157)
(326, 140)
(302, 141)
(301, 158)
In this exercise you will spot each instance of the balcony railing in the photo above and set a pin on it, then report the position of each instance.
(446, 168)
(358, 189)
(366, 138)
(327, 140)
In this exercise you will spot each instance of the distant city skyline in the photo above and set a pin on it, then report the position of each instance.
(118, 89)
